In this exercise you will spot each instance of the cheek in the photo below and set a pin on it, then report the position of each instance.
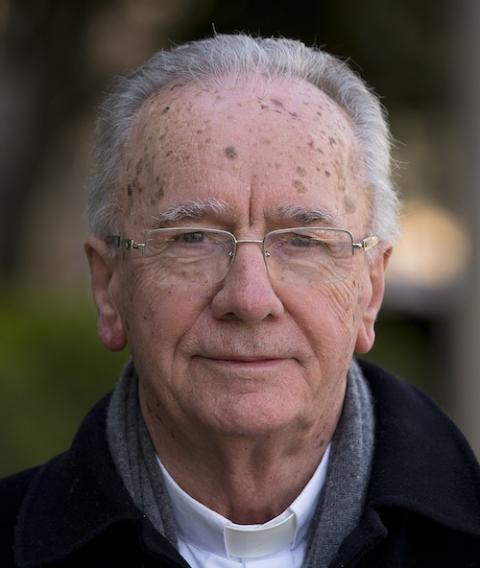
(333, 330)
(342, 300)
(158, 317)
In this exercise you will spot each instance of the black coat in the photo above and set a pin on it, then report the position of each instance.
(423, 505)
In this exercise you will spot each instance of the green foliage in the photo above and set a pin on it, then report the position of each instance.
(53, 370)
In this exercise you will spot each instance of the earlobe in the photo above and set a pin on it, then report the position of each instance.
(110, 327)
(366, 330)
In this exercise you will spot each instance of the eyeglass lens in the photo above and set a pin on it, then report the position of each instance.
(203, 256)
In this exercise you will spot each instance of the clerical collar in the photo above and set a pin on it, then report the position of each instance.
(207, 530)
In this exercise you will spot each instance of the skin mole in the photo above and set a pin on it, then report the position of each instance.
(327, 173)
(230, 152)
(302, 172)
(165, 110)
(299, 186)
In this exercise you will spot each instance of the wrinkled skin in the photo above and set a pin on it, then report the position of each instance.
(241, 383)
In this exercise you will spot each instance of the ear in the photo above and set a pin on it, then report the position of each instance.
(102, 264)
(366, 330)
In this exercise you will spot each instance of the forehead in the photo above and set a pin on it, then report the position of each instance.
(249, 139)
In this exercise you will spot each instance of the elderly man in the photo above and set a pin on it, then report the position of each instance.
(242, 219)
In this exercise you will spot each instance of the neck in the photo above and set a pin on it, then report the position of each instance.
(247, 479)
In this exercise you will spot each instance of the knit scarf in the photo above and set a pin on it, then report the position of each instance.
(341, 501)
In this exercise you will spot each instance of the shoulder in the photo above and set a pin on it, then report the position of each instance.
(12, 493)
(422, 462)
(402, 408)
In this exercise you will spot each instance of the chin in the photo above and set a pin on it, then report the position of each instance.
(253, 416)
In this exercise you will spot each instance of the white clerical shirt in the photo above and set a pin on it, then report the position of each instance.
(208, 540)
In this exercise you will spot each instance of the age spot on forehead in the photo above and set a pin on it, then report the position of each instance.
(302, 172)
(230, 152)
(299, 186)
(277, 103)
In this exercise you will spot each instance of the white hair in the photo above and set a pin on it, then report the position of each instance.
(222, 55)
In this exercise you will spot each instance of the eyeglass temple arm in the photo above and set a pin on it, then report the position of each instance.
(367, 243)
(120, 242)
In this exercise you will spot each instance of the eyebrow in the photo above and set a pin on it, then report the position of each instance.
(303, 215)
(191, 210)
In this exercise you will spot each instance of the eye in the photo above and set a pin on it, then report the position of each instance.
(301, 241)
(192, 237)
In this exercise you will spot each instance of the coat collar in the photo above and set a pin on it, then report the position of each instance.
(77, 497)
(422, 463)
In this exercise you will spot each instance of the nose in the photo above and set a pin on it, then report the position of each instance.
(246, 293)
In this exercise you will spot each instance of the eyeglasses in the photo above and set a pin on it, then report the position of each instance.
(202, 256)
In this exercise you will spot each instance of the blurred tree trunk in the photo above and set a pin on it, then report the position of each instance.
(44, 81)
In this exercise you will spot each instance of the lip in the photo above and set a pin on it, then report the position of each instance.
(235, 361)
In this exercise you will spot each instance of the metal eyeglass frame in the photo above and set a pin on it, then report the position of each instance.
(364, 244)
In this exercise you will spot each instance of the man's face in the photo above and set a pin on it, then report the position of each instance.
(249, 355)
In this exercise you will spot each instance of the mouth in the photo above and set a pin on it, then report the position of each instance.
(261, 361)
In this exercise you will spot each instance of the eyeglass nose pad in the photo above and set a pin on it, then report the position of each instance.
(232, 254)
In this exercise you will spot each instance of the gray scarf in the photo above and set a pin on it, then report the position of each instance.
(341, 501)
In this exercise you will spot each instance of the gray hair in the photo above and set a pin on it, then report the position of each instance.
(215, 57)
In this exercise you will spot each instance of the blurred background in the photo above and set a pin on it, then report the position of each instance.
(57, 59)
